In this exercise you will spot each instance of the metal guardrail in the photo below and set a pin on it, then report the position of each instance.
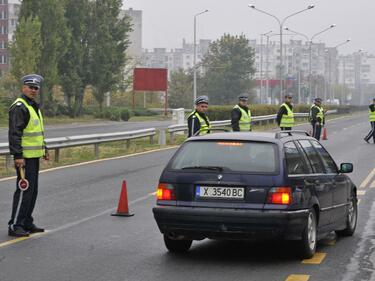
(95, 139)
(172, 130)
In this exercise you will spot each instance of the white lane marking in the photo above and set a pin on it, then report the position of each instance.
(365, 243)
(368, 178)
(361, 192)
(97, 161)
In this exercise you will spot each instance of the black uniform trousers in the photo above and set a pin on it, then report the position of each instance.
(286, 128)
(371, 133)
(316, 130)
(24, 201)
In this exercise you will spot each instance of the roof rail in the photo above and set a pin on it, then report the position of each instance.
(290, 133)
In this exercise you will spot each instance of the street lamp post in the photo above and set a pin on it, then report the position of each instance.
(281, 23)
(310, 41)
(261, 63)
(195, 54)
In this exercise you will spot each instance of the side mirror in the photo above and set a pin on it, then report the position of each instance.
(346, 168)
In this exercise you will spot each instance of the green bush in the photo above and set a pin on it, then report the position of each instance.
(144, 112)
(125, 114)
(113, 113)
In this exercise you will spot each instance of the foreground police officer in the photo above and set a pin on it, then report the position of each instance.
(198, 122)
(317, 118)
(26, 144)
(285, 116)
(372, 122)
(241, 115)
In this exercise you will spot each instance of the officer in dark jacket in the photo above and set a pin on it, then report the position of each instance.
(372, 122)
(241, 115)
(198, 122)
(26, 144)
(317, 118)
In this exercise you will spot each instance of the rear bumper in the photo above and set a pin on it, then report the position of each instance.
(200, 223)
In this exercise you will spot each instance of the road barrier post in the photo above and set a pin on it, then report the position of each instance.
(162, 137)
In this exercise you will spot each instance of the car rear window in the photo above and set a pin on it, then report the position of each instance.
(252, 157)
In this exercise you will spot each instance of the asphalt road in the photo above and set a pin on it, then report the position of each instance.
(94, 128)
(85, 243)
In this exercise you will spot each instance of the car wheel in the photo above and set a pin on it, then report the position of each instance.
(177, 246)
(309, 236)
(351, 219)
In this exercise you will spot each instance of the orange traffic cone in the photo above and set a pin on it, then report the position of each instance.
(123, 208)
(325, 134)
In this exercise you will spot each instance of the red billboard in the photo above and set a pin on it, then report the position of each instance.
(150, 79)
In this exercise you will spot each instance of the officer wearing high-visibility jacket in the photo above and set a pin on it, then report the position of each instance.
(241, 115)
(198, 122)
(372, 122)
(317, 118)
(26, 144)
(285, 116)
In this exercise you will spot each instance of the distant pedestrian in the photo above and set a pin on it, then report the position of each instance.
(27, 145)
(241, 115)
(317, 118)
(372, 122)
(285, 116)
(198, 122)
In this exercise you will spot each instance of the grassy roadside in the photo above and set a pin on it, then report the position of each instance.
(86, 153)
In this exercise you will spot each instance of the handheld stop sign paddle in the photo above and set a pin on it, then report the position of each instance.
(23, 184)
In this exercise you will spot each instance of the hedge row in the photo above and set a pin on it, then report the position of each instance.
(217, 112)
(120, 113)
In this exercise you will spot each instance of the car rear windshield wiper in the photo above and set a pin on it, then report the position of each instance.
(215, 168)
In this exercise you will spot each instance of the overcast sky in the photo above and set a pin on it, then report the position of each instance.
(167, 22)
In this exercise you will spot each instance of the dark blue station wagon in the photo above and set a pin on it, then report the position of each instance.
(249, 185)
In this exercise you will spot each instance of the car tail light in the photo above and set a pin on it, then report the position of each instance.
(165, 192)
(280, 195)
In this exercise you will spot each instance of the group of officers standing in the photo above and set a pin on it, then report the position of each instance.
(199, 123)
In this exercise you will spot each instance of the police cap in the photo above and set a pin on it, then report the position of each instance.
(32, 80)
(243, 97)
(289, 95)
(318, 100)
(201, 99)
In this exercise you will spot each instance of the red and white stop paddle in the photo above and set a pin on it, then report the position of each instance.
(23, 184)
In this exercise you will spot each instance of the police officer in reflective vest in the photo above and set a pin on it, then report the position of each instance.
(317, 118)
(372, 122)
(198, 122)
(285, 116)
(26, 144)
(241, 115)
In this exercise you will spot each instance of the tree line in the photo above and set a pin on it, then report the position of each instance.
(72, 44)
(226, 71)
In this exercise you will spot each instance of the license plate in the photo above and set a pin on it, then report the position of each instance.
(220, 192)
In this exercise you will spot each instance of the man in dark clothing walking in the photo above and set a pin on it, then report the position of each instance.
(26, 144)
(241, 115)
(372, 122)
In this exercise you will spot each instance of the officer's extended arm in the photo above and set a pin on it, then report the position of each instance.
(236, 116)
(280, 114)
(18, 119)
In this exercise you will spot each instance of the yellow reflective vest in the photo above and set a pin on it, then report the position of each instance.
(32, 141)
(245, 121)
(372, 116)
(287, 121)
(320, 113)
(204, 128)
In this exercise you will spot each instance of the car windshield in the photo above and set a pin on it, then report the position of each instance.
(251, 157)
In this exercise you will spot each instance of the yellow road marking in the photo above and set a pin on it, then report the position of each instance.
(361, 192)
(298, 277)
(316, 259)
(367, 180)
(152, 193)
(17, 240)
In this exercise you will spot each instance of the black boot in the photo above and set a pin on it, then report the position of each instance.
(18, 231)
(34, 229)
